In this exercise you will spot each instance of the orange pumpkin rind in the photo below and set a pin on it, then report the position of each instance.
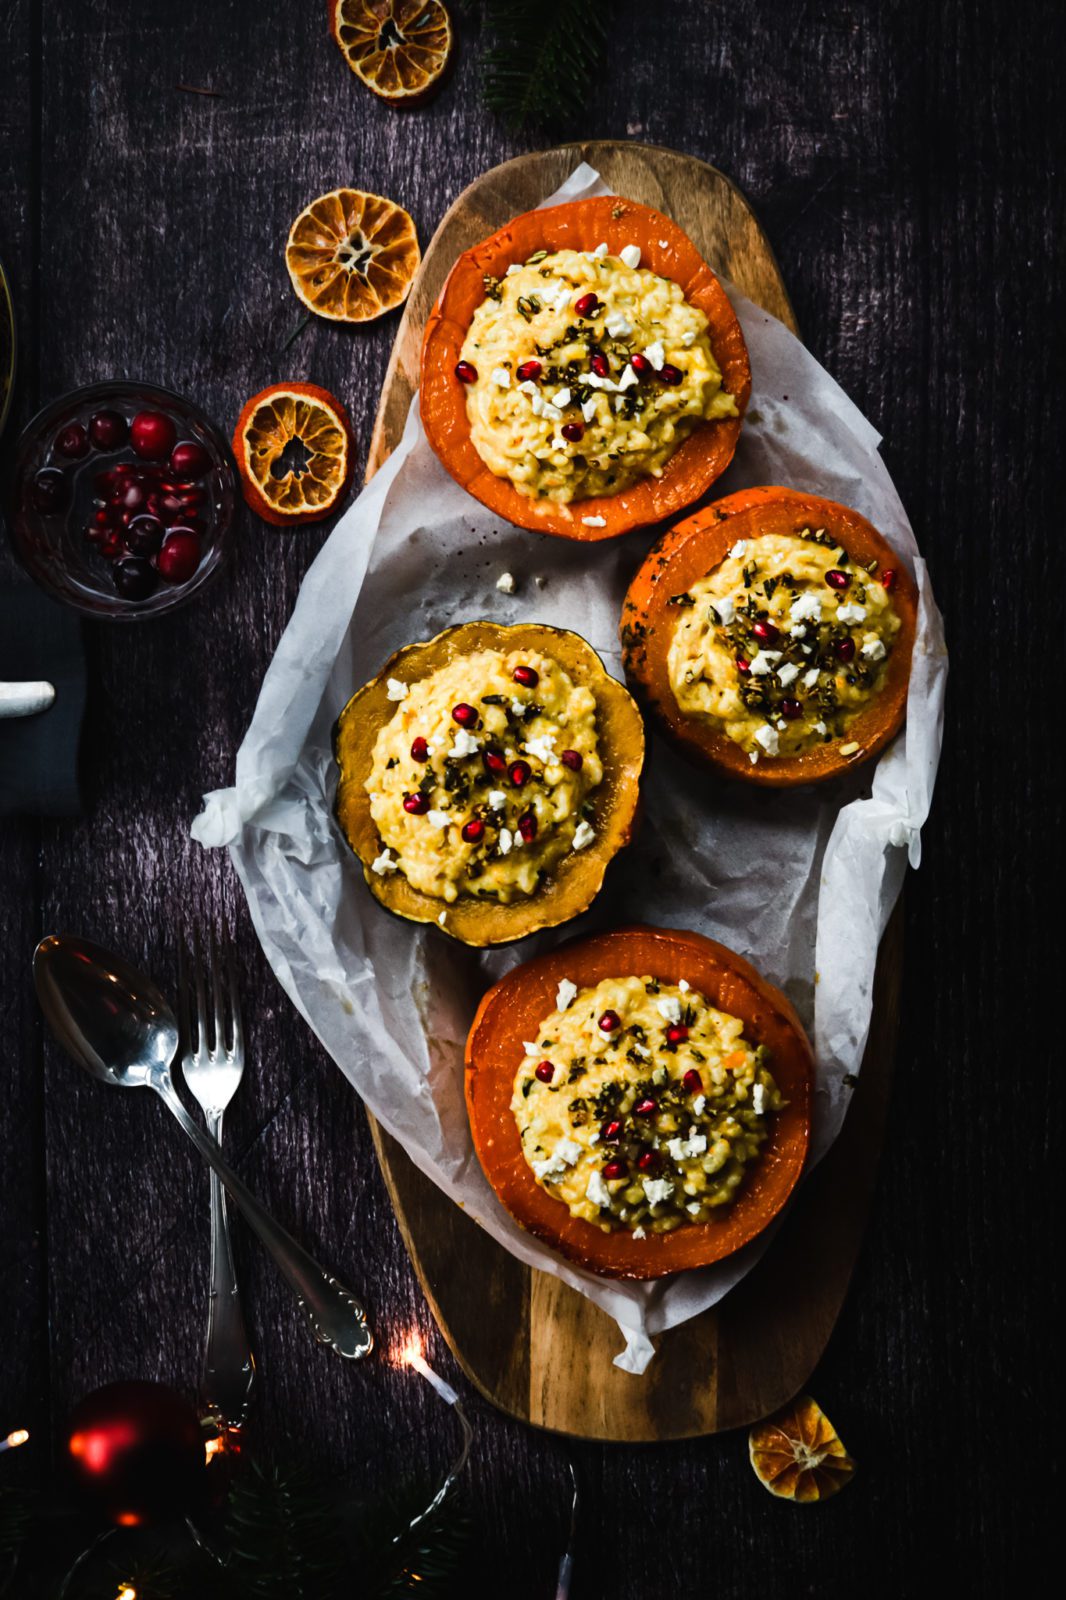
(511, 1011)
(686, 554)
(798, 1455)
(269, 422)
(582, 225)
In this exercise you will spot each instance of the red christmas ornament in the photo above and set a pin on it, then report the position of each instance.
(136, 1453)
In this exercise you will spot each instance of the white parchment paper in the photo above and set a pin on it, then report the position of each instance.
(802, 882)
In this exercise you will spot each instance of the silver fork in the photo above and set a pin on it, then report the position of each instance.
(213, 1067)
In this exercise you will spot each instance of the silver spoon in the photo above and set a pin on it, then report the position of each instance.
(116, 1024)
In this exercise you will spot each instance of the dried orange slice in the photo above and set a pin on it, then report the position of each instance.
(352, 256)
(398, 48)
(295, 451)
(798, 1455)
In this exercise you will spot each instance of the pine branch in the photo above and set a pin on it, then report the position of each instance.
(423, 1560)
(282, 1537)
(543, 57)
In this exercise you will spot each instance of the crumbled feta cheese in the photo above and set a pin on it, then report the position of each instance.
(688, 338)
(724, 610)
(810, 678)
(505, 841)
(781, 724)
(505, 583)
(465, 744)
(588, 408)
(597, 1191)
(565, 995)
(516, 266)
(594, 522)
(873, 648)
(583, 835)
(619, 403)
(849, 612)
(763, 661)
(669, 1006)
(798, 630)
(628, 378)
(518, 706)
(600, 250)
(767, 737)
(543, 748)
(684, 985)
(618, 325)
(849, 749)
(555, 295)
(527, 386)
(658, 1190)
(787, 674)
(806, 607)
(656, 354)
(384, 863)
(550, 413)
(530, 1049)
(693, 1208)
(638, 1233)
(497, 799)
(537, 403)
(820, 727)
(561, 398)
(739, 550)
(395, 689)
(630, 254)
(641, 1051)
(753, 756)
(687, 1149)
(758, 1098)
(501, 377)
(442, 918)
(698, 1104)
(438, 819)
(568, 1151)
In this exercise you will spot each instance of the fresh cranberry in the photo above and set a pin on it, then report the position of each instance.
(134, 578)
(574, 431)
(528, 371)
(765, 631)
(614, 1169)
(473, 831)
(611, 1131)
(600, 364)
(112, 545)
(153, 435)
(494, 760)
(743, 667)
(645, 1107)
(464, 715)
(791, 709)
(837, 579)
(545, 1071)
(670, 375)
(528, 677)
(108, 430)
(676, 1033)
(609, 1021)
(417, 804)
(572, 759)
(144, 535)
(844, 649)
(190, 460)
(527, 826)
(520, 773)
(587, 305)
(692, 1081)
(419, 749)
(648, 1161)
(889, 579)
(466, 371)
(50, 490)
(180, 556)
(641, 366)
(73, 440)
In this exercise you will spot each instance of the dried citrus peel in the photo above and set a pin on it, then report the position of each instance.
(798, 1454)
(352, 256)
(294, 450)
(398, 48)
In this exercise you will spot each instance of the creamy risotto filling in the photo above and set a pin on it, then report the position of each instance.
(585, 373)
(639, 1104)
(784, 644)
(481, 780)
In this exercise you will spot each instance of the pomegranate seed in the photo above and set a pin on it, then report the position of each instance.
(131, 496)
(494, 762)
(102, 517)
(190, 496)
(416, 804)
(474, 831)
(526, 676)
(466, 371)
(670, 375)
(609, 1021)
(572, 759)
(124, 469)
(545, 1071)
(588, 305)
(641, 366)
(144, 535)
(527, 826)
(837, 579)
(464, 715)
(600, 364)
(614, 1169)
(611, 1131)
(528, 371)
(692, 1081)
(180, 555)
(645, 1107)
(419, 749)
(844, 649)
(189, 459)
(573, 431)
(153, 435)
(108, 430)
(765, 632)
(648, 1161)
(791, 709)
(520, 773)
(676, 1033)
(889, 579)
(743, 667)
(154, 504)
(96, 535)
(112, 545)
(73, 440)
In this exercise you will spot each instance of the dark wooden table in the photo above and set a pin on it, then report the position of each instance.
(906, 160)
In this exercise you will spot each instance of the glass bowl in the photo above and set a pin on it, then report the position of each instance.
(81, 491)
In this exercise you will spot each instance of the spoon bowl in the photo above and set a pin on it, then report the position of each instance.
(110, 1018)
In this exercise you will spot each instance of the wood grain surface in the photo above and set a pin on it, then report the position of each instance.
(906, 162)
(528, 1342)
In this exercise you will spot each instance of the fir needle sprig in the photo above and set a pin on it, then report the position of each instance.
(542, 57)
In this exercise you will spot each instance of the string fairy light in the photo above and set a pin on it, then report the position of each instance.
(411, 1356)
(14, 1439)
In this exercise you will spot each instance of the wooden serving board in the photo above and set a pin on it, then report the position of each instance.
(532, 1346)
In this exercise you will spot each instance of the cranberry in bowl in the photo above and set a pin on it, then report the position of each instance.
(122, 500)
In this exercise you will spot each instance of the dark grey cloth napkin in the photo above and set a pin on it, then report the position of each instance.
(39, 754)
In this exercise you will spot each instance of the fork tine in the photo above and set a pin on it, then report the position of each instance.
(221, 1043)
(237, 1046)
(201, 997)
(188, 1043)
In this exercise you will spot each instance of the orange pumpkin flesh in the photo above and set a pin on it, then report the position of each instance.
(581, 225)
(686, 554)
(511, 1012)
(574, 882)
